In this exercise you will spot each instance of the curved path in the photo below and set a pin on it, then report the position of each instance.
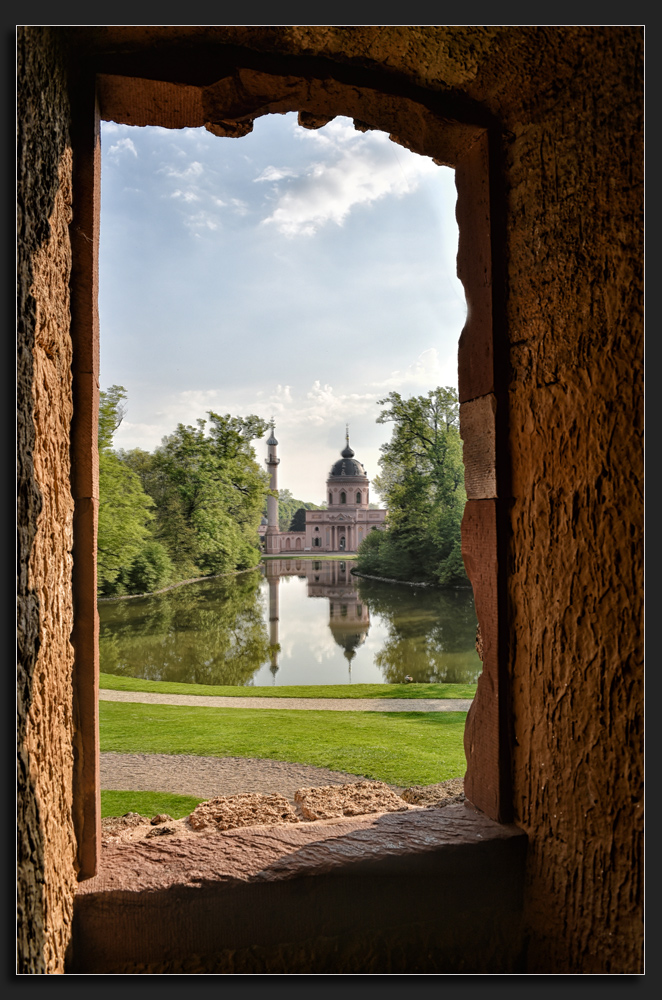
(317, 704)
(207, 777)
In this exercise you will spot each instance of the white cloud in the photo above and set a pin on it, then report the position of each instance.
(426, 372)
(352, 173)
(185, 195)
(319, 406)
(194, 169)
(122, 146)
(274, 174)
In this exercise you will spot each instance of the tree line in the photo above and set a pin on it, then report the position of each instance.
(190, 508)
(193, 506)
(422, 484)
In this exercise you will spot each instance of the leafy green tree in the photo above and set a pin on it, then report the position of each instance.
(150, 570)
(209, 492)
(422, 482)
(288, 509)
(125, 510)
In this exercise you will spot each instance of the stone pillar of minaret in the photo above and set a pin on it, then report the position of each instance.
(272, 462)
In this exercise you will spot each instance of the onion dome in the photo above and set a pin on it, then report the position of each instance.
(347, 465)
(272, 437)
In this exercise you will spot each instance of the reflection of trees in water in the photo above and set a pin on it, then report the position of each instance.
(214, 632)
(205, 633)
(431, 633)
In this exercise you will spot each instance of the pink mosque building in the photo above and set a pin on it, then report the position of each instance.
(342, 526)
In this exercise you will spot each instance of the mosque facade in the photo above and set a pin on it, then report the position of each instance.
(347, 519)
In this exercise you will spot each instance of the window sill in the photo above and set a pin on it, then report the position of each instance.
(430, 890)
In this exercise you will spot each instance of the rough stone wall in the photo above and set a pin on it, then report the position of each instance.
(568, 310)
(576, 571)
(45, 839)
(568, 320)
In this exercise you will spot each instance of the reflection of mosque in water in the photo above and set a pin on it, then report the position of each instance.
(349, 618)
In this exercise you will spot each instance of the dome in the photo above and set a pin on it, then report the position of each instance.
(347, 467)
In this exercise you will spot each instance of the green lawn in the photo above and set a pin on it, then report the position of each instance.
(118, 803)
(113, 682)
(401, 748)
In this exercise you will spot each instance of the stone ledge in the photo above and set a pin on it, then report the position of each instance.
(451, 873)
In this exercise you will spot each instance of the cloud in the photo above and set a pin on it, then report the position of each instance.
(185, 195)
(122, 146)
(355, 170)
(202, 221)
(319, 406)
(275, 174)
(426, 372)
(194, 169)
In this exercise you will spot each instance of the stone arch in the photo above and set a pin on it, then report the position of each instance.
(227, 102)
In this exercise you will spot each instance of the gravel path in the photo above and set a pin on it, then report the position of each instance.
(207, 777)
(319, 704)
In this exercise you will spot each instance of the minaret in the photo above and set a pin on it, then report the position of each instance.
(272, 532)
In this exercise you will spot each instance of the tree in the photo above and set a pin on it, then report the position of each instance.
(209, 492)
(422, 482)
(298, 522)
(125, 510)
(288, 509)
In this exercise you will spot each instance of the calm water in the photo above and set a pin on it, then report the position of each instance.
(293, 621)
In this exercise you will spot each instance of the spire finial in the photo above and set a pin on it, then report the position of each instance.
(271, 440)
(347, 451)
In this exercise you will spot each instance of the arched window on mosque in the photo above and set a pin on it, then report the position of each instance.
(358, 496)
(330, 498)
(343, 497)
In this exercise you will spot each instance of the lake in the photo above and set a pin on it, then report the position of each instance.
(293, 621)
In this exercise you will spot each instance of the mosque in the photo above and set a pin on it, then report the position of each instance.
(342, 526)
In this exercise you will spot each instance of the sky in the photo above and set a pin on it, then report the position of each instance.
(299, 275)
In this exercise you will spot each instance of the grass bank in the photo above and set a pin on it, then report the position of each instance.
(401, 748)
(118, 803)
(113, 682)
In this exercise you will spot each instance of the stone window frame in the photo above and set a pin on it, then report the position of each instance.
(461, 136)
